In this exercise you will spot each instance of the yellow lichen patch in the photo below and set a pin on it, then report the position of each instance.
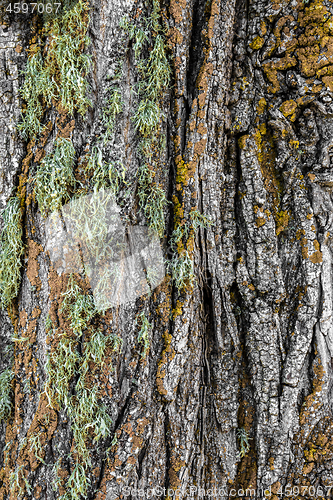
(177, 311)
(271, 69)
(262, 128)
(266, 157)
(261, 106)
(311, 400)
(182, 175)
(205, 72)
(32, 331)
(202, 129)
(214, 12)
(242, 141)
(316, 49)
(294, 144)
(263, 28)
(43, 425)
(257, 43)
(288, 108)
(178, 210)
(282, 221)
(163, 313)
(174, 480)
(308, 468)
(23, 319)
(305, 249)
(328, 81)
(300, 233)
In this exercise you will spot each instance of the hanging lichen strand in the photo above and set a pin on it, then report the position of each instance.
(54, 176)
(154, 78)
(58, 78)
(55, 77)
(11, 251)
(90, 421)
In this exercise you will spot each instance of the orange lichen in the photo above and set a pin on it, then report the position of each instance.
(176, 9)
(34, 249)
(260, 221)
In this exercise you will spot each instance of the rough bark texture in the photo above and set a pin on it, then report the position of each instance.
(243, 354)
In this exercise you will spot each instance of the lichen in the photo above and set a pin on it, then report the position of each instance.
(12, 250)
(154, 78)
(59, 77)
(6, 378)
(143, 335)
(89, 418)
(54, 176)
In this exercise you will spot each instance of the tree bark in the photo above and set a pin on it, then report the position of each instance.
(231, 394)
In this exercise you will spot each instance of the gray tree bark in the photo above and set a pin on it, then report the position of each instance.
(235, 391)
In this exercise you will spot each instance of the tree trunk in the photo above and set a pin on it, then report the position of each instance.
(210, 124)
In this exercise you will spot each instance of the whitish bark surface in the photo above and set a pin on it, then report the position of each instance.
(235, 390)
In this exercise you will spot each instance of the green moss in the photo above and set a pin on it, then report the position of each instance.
(63, 361)
(181, 264)
(147, 117)
(60, 367)
(6, 378)
(114, 107)
(11, 251)
(69, 36)
(105, 175)
(181, 270)
(36, 447)
(54, 176)
(77, 484)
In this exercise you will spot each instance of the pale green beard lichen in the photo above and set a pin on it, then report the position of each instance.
(244, 438)
(59, 77)
(145, 329)
(54, 176)
(11, 251)
(154, 79)
(84, 408)
(6, 378)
